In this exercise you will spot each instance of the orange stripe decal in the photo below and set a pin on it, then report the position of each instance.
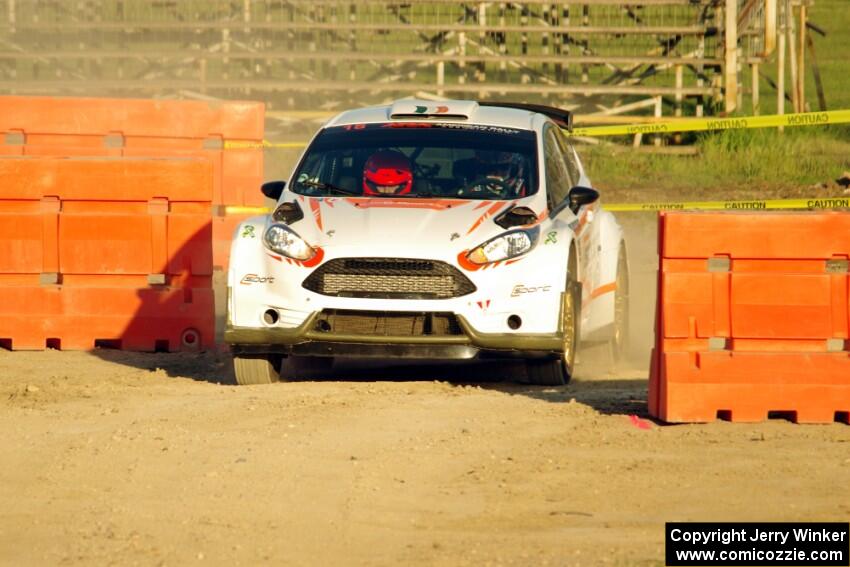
(316, 206)
(603, 289)
(488, 213)
(599, 291)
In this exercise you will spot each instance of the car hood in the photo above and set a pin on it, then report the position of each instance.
(403, 226)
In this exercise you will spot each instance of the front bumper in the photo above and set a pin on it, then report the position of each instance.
(306, 340)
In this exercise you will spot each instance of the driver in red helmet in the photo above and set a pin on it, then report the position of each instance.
(387, 172)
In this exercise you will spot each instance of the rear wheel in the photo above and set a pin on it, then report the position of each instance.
(251, 369)
(559, 371)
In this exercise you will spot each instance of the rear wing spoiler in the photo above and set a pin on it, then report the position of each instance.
(561, 117)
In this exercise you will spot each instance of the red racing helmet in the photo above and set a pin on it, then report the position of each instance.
(387, 172)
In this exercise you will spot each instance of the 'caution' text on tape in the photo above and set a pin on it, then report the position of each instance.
(713, 124)
(819, 203)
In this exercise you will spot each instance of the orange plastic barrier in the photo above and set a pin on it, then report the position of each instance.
(752, 317)
(114, 251)
(66, 127)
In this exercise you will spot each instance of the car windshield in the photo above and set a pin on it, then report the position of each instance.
(420, 160)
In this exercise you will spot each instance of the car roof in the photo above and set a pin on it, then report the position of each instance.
(455, 111)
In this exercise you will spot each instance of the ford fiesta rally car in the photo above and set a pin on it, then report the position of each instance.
(449, 230)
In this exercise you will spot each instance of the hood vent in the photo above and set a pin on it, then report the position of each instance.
(288, 213)
(516, 216)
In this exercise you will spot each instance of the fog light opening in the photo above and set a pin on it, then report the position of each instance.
(323, 326)
(514, 322)
(270, 317)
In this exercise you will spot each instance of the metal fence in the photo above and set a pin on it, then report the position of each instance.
(603, 59)
(302, 55)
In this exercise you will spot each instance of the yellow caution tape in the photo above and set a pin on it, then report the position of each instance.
(239, 210)
(669, 127)
(713, 124)
(819, 203)
(814, 203)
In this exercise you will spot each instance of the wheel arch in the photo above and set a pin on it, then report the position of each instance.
(611, 236)
(245, 250)
(599, 323)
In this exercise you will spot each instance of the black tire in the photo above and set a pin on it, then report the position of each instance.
(546, 372)
(619, 342)
(559, 371)
(254, 369)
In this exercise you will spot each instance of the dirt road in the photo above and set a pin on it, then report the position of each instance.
(116, 458)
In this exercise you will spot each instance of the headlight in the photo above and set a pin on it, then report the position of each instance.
(283, 240)
(505, 246)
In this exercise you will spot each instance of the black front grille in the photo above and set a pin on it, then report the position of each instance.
(388, 278)
(387, 323)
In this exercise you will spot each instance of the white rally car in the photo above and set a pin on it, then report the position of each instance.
(448, 230)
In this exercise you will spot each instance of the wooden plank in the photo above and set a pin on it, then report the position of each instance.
(792, 53)
(730, 70)
(656, 139)
(558, 3)
(780, 67)
(769, 27)
(816, 73)
(754, 76)
(744, 13)
(361, 56)
(615, 111)
(139, 26)
(801, 61)
(680, 82)
(596, 120)
(168, 85)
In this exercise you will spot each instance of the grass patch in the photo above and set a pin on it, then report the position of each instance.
(750, 164)
(733, 164)
(833, 16)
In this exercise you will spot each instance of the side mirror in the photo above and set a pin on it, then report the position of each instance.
(582, 196)
(273, 189)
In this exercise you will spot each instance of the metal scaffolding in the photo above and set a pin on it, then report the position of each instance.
(598, 57)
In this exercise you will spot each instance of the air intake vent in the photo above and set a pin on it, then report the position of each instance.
(388, 323)
(388, 278)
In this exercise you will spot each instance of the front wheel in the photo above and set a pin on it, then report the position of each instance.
(252, 369)
(558, 372)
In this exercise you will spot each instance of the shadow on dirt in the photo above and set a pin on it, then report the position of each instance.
(388, 370)
(208, 367)
(621, 394)
(625, 394)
